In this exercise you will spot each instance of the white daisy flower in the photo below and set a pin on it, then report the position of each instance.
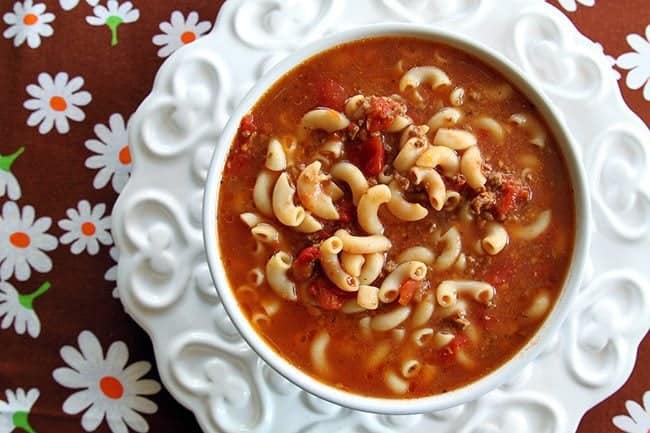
(14, 413)
(638, 63)
(571, 5)
(113, 156)
(22, 242)
(179, 31)
(111, 274)
(18, 309)
(29, 22)
(639, 419)
(55, 100)
(107, 389)
(112, 15)
(86, 228)
(8, 181)
(71, 4)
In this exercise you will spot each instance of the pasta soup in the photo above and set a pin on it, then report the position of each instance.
(395, 218)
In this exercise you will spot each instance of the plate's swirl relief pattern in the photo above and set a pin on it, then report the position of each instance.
(164, 280)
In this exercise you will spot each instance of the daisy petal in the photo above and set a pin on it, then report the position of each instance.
(136, 370)
(635, 410)
(101, 178)
(36, 117)
(81, 98)
(90, 347)
(75, 113)
(147, 387)
(95, 21)
(115, 422)
(70, 378)
(143, 405)
(637, 43)
(34, 326)
(77, 402)
(117, 355)
(93, 417)
(46, 125)
(39, 261)
(628, 60)
(78, 246)
(73, 358)
(135, 421)
(635, 78)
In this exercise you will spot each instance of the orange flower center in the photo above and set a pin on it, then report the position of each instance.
(30, 19)
(19, 239)
(111, 387)
(188, 37)
(125, 155)
(88, 228)
(58, 103)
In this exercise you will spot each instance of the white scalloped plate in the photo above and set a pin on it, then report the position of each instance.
(163, 277)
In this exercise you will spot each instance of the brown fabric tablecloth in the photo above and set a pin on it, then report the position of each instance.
(71, 74)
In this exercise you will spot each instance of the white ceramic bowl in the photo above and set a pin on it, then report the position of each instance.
(484, 384)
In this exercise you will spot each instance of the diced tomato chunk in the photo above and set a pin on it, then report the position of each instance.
(331, 94)
(247, 125)
(373, 155)
(381, 113)
(327, 294)
(511, 192)
(308, 254)
(407, 290)
(304, 265)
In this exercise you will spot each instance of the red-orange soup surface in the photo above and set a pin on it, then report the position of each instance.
(401, 143)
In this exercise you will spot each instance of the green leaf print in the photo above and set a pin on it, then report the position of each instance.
(27, 300)
(21, 420)
(113, 22)
(6, 161)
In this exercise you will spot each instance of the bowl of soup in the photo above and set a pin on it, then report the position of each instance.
(396, 219)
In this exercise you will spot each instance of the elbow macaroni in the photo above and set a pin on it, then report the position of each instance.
(495, 240)
(434, 185)
(456, 139)
(276, 275)
(534, 229)
(431, 75)
(402, 209)
(276, 157)
(312, 195)
(409, 154)
(326, 119)
(439, 156)
(363, 244)
(419, 253)
(371, 268)
(447, 291)
(329, 250)
(471, 164)
(445, 118)
(263, 191)
(389, 289)
(368, 208)
(285, 211)
(350, 174)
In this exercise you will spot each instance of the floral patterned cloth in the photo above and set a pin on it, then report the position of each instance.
(72, 73)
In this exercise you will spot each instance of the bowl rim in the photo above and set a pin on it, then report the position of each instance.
(545, 333)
